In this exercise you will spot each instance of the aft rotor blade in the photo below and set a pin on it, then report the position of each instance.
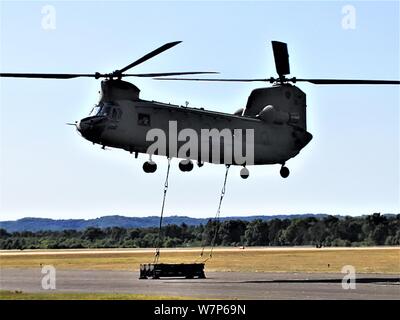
(281, 57)
(47, 75)
(165, 74)
(221, 80)
(348, 81)
(150, 55)
(294, 80)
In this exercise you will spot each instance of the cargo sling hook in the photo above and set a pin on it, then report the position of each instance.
(157, 254)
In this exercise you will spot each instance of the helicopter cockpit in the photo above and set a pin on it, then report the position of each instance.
(106, 109)
(101, 109)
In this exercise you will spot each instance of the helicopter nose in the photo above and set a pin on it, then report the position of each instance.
(78, 125)
(91, 128)
(82, 126)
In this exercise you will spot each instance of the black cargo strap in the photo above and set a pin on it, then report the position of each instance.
(217, 217)
(157, 254)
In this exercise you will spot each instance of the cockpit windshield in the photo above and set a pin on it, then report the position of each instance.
(95, 110)
(102, 109)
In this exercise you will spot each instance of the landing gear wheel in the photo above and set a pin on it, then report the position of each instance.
(149, 167)
(284, 172)
(244, 173)
(186, 165)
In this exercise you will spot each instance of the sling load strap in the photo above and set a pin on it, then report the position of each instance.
(217, 216)
(157, 254)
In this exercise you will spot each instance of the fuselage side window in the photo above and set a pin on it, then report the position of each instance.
(143, 119)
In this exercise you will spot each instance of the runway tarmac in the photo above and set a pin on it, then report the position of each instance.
(220, 285)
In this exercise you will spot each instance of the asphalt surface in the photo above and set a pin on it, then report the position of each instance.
(50, 252)
(222, 285)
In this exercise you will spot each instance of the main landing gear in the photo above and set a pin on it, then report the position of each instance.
(186, 165)
(244, 173)
(149, 166)
(284, 171)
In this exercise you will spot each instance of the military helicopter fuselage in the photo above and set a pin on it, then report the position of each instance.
(122, 120)
(271, 127)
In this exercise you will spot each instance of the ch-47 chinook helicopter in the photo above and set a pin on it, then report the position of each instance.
(277, 114)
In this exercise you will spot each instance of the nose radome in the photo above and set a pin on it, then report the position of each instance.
(90, 129)
(78, 125)
(85, 124)
(82, 125)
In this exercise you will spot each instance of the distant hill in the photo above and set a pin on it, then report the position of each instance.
(37, 224)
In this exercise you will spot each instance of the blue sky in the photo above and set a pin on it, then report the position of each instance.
(47, 170)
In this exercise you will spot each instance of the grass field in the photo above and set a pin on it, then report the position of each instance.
(18, 295)
(365, 260)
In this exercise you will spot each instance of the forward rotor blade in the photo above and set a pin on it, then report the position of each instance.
(281, 57)
(96, 75)
(347, 81)
(221, 80)
(150, 55)
(47, 75)
(165, 74)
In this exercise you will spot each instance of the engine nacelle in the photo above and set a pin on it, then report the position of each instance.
(278, 104)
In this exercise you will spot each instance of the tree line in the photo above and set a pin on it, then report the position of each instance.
(375, 229)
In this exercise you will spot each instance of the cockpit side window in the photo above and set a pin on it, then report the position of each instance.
(114, 114)
(103, 109)
(95, 111)
(119, 115)
(106, 111)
